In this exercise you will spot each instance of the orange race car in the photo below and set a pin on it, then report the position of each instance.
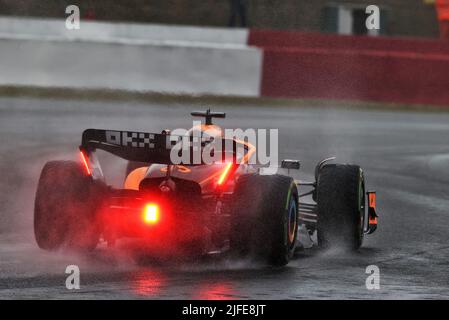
(198, 208)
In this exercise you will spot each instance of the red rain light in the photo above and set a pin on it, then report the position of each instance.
(151, 213)
(86, 165)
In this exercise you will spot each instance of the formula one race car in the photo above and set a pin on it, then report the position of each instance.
(227, 206)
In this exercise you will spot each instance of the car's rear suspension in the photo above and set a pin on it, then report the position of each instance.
(307, 214)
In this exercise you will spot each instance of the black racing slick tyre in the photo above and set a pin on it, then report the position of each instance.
(264, 218)
(341, 206)
(65, 208)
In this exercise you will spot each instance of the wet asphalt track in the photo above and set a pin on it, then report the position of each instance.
(405, 156)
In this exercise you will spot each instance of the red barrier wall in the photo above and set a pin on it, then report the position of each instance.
(353, 68)
(276, 38)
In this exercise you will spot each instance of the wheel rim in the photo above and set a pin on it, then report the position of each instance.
(292, 221)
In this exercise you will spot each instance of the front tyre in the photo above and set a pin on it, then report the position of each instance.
(341, 206)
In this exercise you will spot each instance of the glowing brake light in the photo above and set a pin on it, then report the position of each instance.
(151, 213)
(224, 174)
(86, 165)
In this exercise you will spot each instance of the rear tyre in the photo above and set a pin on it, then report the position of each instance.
(264, 220)
(65, 208)
(341, 206)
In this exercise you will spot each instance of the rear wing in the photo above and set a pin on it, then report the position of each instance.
(151, 147)
(132, 146)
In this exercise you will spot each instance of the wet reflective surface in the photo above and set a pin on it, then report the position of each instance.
(405, 156)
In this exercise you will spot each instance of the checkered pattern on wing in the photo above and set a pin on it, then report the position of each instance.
(140, 140)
